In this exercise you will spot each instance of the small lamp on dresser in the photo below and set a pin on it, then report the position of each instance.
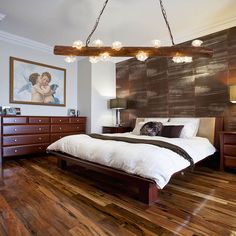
(118, 104)
(232, 93)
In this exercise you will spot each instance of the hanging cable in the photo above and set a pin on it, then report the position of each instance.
(96, 23)
(166, 21)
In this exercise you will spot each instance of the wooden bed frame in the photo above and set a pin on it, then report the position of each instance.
(147, 188)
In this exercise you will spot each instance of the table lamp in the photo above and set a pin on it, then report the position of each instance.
(118, 104)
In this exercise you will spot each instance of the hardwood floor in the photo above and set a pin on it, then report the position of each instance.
(40, 199)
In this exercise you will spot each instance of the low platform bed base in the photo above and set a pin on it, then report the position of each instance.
(147, 188)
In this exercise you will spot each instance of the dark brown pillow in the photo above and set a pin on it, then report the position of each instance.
(151, 129)
(171, 131)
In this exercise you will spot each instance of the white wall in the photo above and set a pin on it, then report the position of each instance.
(96, 85)
(84, 90)
(9, 49)
(88, 86)
(103, 89)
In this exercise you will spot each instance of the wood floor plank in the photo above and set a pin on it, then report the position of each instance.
(40, 199)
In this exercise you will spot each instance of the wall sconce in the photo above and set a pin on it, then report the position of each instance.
(118, 104)
(232, 93)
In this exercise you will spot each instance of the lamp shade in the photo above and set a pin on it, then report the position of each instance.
(232, 93)
(118, 103)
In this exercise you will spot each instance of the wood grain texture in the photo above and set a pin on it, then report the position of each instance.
(40, 199)
(160, 87)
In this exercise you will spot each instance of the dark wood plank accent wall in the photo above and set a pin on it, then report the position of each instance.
(160, 87)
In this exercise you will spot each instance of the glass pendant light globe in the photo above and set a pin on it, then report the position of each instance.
(197, 43)
(78, 44)
(94, 59)
(98, 43)
(156, 43)
(188, 59)
(142, 56)
(116, 45)
(104, 56)
(70, 59)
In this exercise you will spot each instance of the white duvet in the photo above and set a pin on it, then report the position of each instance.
(144, 160)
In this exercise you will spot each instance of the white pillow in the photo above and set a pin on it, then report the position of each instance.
(190, 128)
(156, 119)
(137, 127)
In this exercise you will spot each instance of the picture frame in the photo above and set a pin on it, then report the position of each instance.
(36, 83)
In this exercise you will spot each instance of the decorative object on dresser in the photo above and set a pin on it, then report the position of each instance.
(118, 104)
(227, 150)
(37, 83)
(71, 112)
(24, 135)
(114, 129)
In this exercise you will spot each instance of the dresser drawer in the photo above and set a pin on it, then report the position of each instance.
(229, 139)
(25, 139)
(68, 128)
(39, 120)
(24, 150)
(230, 150)
(230, 161)
(23, 129)
(57, 136)
(80, 120)
(59, 120)
(14, 120)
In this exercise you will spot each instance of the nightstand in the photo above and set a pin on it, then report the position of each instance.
(227, 150)
(113, 129)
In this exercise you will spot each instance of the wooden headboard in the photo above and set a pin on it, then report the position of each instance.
(209, 128)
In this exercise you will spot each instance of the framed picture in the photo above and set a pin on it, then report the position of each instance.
(36, 83)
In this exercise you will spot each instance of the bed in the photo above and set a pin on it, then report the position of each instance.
(133, 158)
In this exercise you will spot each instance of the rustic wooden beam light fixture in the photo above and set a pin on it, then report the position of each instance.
(179, 54)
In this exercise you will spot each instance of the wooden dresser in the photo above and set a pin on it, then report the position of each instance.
(24, 135)
(228, 150)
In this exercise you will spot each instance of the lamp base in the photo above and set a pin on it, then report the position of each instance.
(118, 118)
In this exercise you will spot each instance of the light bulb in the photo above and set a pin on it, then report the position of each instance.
(156, 43)
(98, 43)
(105, 56)
(70, 59)
(197, 43)
(94, 59)
(78, 44)
(116, 45)
(142, 56)
(181, 59)
(188, 59)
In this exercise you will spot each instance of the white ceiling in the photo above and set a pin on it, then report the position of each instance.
(133, 22)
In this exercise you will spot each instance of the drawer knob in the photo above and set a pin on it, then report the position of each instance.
(59, 128)
(77, 120)
(15, 129)
(15, 140)
(60, 120)
(77, 127)
(60, 136)
(15, 150)
(40, 129)
(40, 120)
(14, 120)
(40, 138)
(40, 148)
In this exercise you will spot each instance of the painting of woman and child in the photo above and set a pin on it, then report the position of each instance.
(36, 83)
